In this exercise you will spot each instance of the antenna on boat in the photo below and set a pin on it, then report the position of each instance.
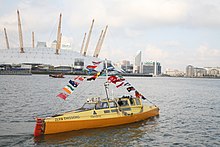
(106, 84)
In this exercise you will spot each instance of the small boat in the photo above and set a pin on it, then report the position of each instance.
(98, 112)
(56, 75)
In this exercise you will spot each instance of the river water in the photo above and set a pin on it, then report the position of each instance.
(189, 112)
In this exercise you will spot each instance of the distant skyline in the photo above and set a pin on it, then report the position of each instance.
(175, 33)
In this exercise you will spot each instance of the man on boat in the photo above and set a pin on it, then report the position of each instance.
(120, 103)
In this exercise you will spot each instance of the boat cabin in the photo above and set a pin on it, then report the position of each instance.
(127, 105)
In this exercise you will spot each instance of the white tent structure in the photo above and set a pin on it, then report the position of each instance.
(45, 56)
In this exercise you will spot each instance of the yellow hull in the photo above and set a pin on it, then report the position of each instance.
(51, 127)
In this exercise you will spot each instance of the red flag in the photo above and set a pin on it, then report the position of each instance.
(137, 94)
(62, 96)
(120, 84)
(112, 79)
(91, 66)
(79, 78)
(115, 79)
(96, 63)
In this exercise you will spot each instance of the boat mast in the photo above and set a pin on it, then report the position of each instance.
(20, 33)
(6, 38)
(106, 84)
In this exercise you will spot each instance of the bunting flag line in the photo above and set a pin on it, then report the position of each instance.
(96, 62)
(110, 68)
(127, 84)
(95, 76)
(117, 79)
(70, 87)
(120, 84)
(138, 95)
(114, 79)
(62, 96)
(130, 89)
(91, 66)
(120, 81)
(115, 69)
(74, 84)
(79, 78)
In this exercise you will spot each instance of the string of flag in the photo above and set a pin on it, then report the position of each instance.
(73, 84)
(70, 87)
(92, 67)
(119, 81)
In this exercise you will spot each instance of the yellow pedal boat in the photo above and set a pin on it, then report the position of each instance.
(97, 113)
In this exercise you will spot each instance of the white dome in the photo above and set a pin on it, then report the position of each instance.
(43, 56)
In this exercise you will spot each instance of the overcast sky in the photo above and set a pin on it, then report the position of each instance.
(174, 32)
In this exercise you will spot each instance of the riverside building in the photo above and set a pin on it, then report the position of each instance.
(151, 68)
(192, 71)
(126, 66)
(174, 73)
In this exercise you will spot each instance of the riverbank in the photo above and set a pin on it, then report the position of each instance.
(85, 74)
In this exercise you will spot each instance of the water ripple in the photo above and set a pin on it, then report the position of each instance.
(189, 113)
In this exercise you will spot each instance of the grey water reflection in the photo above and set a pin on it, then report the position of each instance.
(130, 134)
(189, 112)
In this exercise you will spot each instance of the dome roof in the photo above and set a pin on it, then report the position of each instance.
(43, 56)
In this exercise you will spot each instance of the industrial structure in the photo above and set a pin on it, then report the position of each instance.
(42, 57)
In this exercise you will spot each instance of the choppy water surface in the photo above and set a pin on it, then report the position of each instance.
(189, 112)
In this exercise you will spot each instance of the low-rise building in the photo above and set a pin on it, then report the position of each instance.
(174, 73)
(189, 71)
(213, 71)
(126, 66)
(192, 71)
(151, 68)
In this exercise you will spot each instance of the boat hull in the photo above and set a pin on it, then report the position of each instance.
(51, 127)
